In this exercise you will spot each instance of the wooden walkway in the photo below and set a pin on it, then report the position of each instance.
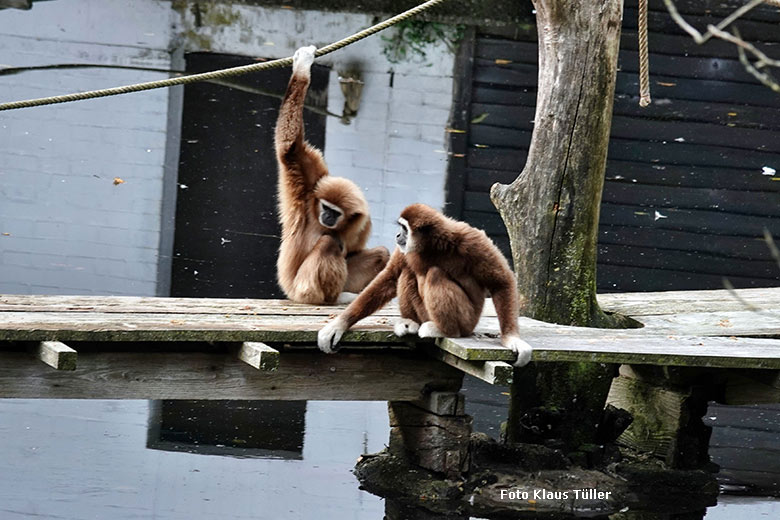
(692, 329)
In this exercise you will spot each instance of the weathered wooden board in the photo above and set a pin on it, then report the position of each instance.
(259, 355)
(680, 302)
(702, 328)
(56, 354)
(493, 372)
(476, 349)
(199, 375)
(154, 305)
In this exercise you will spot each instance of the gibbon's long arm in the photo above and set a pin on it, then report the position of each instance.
(381, 290)
(501, 283)
(300, 164)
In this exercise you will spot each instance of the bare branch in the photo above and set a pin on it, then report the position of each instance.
(743, 47)
(702, 38)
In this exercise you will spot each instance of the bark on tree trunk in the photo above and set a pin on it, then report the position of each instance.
(551, 212)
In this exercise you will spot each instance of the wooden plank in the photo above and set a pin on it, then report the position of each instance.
(492, 88)
(691, 351)
(476, 349)
(196, 375)
(493, 372)
(259, 355)
(156, 305)
(621, 278)
(81, 326)
(686, 302)
(688, 261)
(56, 354)
(667, 239)
(456, 172)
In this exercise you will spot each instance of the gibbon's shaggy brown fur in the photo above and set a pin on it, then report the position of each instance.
(325, 220)
(441, 272)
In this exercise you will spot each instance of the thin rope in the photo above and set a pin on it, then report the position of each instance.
(219, 74)
(644, 62)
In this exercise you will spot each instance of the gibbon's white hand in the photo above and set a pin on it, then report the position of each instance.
(329, 336)
(303, 59)
(346, 297)
(520, 347)
(405, 326)
(429, 330)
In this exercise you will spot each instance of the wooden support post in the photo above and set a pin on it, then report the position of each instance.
(493, 372)
(259, 355)
(435, 441)
(666, 414)
(57, 355)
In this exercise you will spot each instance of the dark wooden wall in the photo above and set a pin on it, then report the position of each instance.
(686, 198)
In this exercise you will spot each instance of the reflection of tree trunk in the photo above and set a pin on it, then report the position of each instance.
(551, 210)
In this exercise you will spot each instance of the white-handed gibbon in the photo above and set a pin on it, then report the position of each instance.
(441, 271)
(325, 220)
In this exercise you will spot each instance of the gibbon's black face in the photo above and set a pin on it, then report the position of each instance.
(404, 237)
(330, 214)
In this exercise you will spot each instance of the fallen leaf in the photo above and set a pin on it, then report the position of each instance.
(499, 61)
(477, 120)
(118, 181)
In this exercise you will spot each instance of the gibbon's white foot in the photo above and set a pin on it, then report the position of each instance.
(329, 336)
(429, 330)
(405, 326)
(303, 58)
(346, 297)
(520, 347)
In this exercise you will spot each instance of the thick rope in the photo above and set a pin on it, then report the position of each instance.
(219, 74)
(644, 62)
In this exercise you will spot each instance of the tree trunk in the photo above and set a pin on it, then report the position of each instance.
(551, 212)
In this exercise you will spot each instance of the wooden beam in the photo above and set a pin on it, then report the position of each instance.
(493, 372)
(57, 355)
(476, 349)
(374, 376)
(259, 355)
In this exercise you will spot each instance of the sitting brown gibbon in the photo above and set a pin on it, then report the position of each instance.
(441, 271)
(325, 220)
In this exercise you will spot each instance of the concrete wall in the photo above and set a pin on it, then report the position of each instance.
(66, 227)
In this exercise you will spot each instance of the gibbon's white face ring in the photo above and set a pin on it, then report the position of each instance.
(404, 238)
(330, 214)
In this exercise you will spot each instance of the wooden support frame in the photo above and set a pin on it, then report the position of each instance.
(377, 375)
(259, 355)
(493, 372)
(56, 354)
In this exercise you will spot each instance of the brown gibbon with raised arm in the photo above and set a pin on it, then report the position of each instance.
(441, 271)
(325, 220)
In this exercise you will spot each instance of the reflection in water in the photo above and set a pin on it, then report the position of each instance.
(260, 429)
(89, 459)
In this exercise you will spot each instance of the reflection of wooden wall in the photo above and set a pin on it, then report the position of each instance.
(266, 429)
(695, 155)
